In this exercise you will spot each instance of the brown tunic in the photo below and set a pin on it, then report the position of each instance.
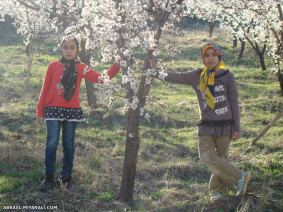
(226, 101)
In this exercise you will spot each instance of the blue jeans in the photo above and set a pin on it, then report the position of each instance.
(53, 128)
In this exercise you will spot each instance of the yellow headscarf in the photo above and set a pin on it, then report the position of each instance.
(206, 81)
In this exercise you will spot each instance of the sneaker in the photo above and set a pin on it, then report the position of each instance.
(65, 181)
(215, 195)
(47, 183)
(243, 183)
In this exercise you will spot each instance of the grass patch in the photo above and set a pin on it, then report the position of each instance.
(8, 183)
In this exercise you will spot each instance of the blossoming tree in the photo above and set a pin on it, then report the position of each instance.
(258, 22)
(29, 24)
(141, 26)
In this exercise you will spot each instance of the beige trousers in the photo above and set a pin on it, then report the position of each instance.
(213, 151)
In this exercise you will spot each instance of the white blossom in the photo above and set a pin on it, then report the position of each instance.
(141, 111)
(123, 63)
(162, 75)
(147, 117)
(125, 79)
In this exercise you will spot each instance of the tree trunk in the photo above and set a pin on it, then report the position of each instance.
(261, 55)
(280, 80)
(29, 51)
(211, 28)
(85, 58)
(262, 63)
(235, 41)
(133, 118)
(241, 53)
(131, 155)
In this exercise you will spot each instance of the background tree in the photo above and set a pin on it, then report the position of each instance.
(258, 22)
(30, 24)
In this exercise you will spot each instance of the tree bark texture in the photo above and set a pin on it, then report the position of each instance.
(131, 155)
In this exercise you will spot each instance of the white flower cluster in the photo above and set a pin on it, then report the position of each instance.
(131, 104)
(105, 91)
(134, 103)
(172, 51)
(150, 43)
(162, 73)
(149, 74)
(129, 77)
(146, 115)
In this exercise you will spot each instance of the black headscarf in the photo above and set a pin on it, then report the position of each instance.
(69, 78)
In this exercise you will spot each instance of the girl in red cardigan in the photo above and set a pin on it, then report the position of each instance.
(59, 106)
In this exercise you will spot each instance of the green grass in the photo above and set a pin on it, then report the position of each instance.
(170, 175)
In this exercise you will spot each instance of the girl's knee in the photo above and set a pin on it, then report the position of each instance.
(69, 147)
(208, 156)
(52, 143)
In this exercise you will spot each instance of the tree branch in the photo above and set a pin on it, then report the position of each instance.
(37, 8)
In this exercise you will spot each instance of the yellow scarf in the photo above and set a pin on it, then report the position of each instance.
(206, 83)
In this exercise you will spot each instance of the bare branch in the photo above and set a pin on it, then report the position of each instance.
(37, 8)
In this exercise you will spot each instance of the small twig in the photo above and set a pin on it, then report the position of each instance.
(272, 123)
(124, 97)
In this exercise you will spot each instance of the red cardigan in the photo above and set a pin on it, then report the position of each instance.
(49, 95)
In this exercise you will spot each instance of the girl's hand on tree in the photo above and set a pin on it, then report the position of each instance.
(117, 63)
(39, 120)
(236, 136)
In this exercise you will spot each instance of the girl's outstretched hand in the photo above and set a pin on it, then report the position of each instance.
(39, 120)
(236, 136)
(117, 63)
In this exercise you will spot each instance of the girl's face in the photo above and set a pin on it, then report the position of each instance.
(210, 58)
(69, 49)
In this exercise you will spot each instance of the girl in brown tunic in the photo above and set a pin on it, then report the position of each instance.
(217, 95)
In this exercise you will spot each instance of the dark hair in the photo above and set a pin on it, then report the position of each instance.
(73, 39)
